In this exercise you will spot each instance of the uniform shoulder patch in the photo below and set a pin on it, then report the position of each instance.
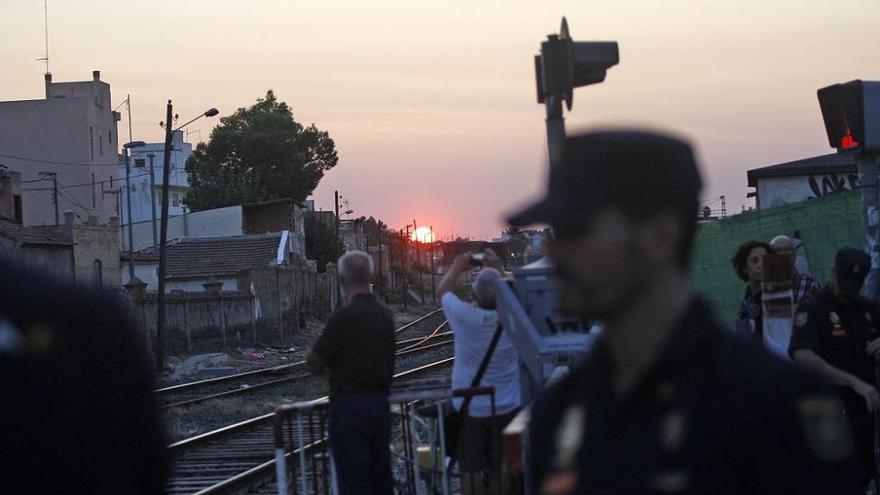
(826, 430)
(801, 318)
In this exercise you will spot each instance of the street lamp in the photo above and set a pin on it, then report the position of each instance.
(163, 230)
(125, 149)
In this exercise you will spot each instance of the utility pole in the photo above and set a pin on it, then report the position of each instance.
(54, 177)
(404, 234)
(163, 240)
(433, 271)
(128, 207)
(379, 242)
(151, 156)
(336, 224)
(418, 260)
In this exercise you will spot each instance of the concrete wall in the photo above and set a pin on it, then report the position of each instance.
(72, 133)
(780, 191)
(209, 223)
(826, 224)
(200, 319)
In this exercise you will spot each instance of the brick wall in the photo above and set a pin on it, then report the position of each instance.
(826, 224)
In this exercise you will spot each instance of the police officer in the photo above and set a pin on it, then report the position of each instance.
(667, 401)
(835, 333)
(77, 409)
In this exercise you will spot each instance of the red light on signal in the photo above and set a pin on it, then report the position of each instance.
(847, 141)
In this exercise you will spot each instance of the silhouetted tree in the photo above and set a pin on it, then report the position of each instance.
(256, 154)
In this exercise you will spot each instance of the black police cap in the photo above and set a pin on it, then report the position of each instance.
(619, 167)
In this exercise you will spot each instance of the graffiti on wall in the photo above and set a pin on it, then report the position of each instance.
(832, 183)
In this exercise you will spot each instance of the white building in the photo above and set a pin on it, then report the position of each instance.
(805, 179)
(146, 193)
(70, 136)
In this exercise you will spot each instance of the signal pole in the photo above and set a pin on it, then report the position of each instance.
(867, 167)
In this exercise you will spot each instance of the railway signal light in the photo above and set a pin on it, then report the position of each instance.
(565, 64)
(851, 112)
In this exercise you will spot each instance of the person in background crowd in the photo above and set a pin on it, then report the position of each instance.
(663, 403)
(748, 264)
(77, 410)
(804, 286)
(835, 333)
(474, 328)
(357, 348)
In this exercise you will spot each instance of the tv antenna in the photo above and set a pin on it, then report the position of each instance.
(46, 28)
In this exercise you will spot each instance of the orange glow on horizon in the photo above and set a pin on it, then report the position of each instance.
(423, 234)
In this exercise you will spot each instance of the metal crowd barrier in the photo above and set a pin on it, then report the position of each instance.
(303, 458)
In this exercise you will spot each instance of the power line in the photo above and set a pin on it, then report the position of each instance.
(56, 162)
(76, 203)
(145, 174)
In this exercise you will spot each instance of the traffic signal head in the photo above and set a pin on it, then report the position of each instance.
(851, 112)
(565, 64)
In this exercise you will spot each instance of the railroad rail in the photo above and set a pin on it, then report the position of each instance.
(238, 456)
(194, 392)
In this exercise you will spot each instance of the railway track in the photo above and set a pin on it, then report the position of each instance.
(191, 393)
(239, 456)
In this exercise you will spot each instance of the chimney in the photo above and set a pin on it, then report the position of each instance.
(48, 78)
(96, 75)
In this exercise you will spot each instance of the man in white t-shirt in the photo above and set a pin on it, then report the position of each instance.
(473, 327)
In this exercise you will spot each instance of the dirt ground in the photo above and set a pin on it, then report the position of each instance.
(246, 358)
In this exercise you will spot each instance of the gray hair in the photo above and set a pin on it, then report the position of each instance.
(356, 267)
(484, 287)
(782, 243)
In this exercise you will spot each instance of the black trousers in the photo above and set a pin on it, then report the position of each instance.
(862, 423)
(360, 433)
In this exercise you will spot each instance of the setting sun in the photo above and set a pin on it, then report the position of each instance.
(423, 234)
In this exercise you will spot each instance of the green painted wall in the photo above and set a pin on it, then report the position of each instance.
(826, 224)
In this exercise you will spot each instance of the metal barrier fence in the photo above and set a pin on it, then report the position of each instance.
(302, 453)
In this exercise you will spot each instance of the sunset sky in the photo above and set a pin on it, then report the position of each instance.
(432, 104)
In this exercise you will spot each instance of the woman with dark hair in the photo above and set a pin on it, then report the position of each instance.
(748, 263)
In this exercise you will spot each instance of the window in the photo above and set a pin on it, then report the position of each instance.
(101, 144)
(92, 142)
(97, 273)
(110, 137)
(175, 199)
(140, 162)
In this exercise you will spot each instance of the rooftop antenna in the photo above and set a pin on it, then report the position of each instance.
(46, 28)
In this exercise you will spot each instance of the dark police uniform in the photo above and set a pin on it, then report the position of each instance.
(77, 409)
(839, 333)
(715, 414)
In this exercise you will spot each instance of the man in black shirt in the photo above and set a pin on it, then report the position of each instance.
(77, 409)
(357, 349)
(835, 333)
(667, 401)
